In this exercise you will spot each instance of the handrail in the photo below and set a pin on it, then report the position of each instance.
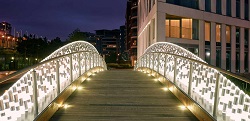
(203, 83)
(17, 73)
(211, 66)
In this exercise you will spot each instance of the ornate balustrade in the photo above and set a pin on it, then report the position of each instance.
(43, 82)
(204, 84)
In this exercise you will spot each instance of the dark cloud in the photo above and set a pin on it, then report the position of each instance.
(52, 18)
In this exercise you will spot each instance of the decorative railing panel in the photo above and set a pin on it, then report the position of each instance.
(42, 83)
(203, 83)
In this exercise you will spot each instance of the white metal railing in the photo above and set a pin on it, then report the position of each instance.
(211, 90)
(43, 82)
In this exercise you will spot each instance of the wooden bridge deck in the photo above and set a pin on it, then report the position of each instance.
(122, 95)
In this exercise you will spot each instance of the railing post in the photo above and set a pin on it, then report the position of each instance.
(35, 102)
(79, 64)
(149, 56)
(158, 65)
(93, 59)
(190, 78)
(58, 78)
(175, 69)
(153, 63)
(216, 95)
(85, 61)
(165, 63)
(89, 60)
(71, 67)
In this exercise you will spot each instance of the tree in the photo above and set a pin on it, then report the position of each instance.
(76, 35)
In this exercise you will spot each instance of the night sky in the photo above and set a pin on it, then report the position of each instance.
(58, 18)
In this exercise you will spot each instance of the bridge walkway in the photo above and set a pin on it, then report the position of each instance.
(122, 95)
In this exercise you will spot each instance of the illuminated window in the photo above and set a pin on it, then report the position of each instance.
(167, 28)
(186, 29)
(182, 28)
(175, 28)
(218, 33)
(207, 31)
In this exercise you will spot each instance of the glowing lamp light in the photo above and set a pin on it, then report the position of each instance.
(88, 79)
(79, 88)
(165, 89)
(155, 80)
(182, 107)
(66, 106)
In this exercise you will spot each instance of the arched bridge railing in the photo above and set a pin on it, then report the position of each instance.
(206, 85)
(43, 82)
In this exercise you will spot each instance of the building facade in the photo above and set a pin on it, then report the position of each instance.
(7, 41)
(131, 26)
(215, 30)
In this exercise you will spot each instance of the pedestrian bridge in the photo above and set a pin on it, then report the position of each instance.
(73, 83)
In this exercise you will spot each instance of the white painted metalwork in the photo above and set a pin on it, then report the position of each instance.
(203, 83)
(50, 77)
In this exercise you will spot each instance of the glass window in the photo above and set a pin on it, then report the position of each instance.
(195, 29)
(218, 33)
(246, 61)
(208, 5)
(238, 8)
(186, 29)
(237, 35)
(218, 6)
(246, 37)
(182, 28)
(246, 10)
(175, 28)
(228, 60)
(167, 28)
(228, 7)
(228, 34)
(186, 3)
(207, 31)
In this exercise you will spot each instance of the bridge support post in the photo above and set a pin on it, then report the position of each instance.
(71, 67)
(79, 64)
(58, 78)
(216, 95)
(175, 69)
(35, 102)
(190, 79)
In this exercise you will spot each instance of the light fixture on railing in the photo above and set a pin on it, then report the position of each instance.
(165, 89)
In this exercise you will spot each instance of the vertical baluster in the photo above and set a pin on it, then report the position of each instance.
(158, 63)
(175, 69)
(58, 77)
(85, 61)
(79, 64)
(165, 63)
(35, 102)
(216, 95)
(71, 67)
(190, 79)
